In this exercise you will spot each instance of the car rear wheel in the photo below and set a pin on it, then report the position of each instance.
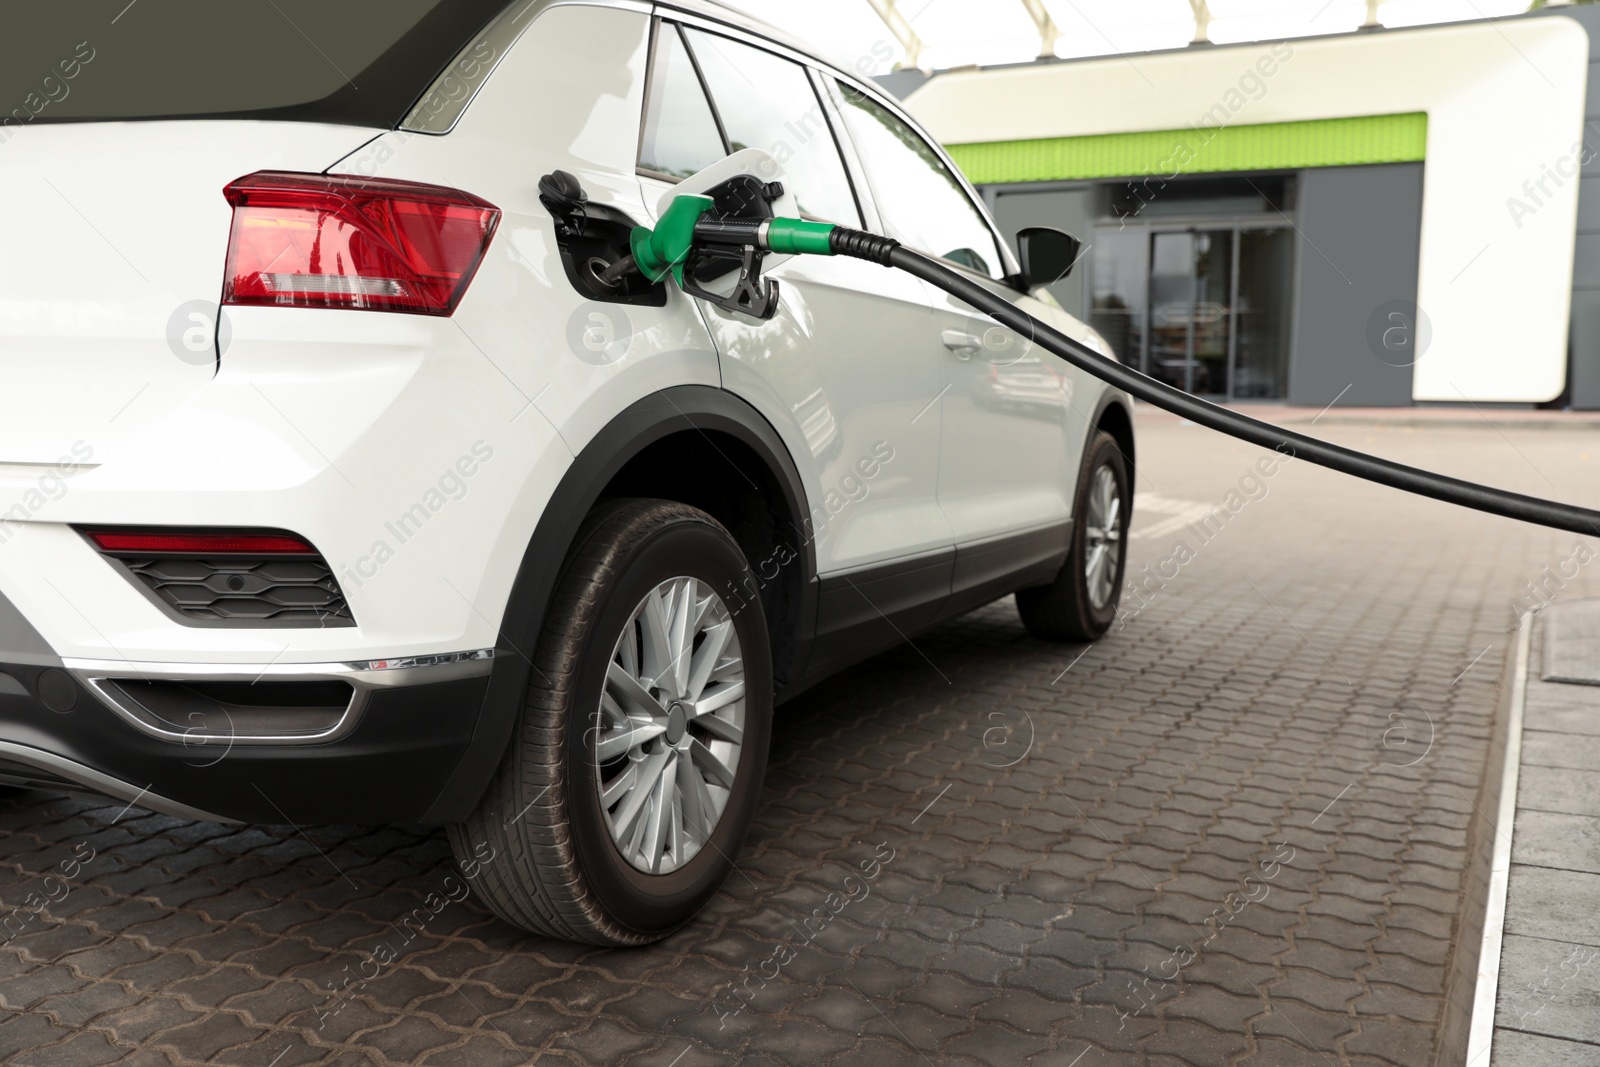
(1081, 603)
(639, 757)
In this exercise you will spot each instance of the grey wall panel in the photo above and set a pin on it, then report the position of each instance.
(1360, 231)
(1589, 204)
(1585, 374)
(1065, 209)
(1545, 168)
(1586, 261)
(1587, 17)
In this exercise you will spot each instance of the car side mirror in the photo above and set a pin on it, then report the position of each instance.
(1047, 255)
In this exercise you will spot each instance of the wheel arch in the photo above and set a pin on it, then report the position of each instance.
(1113, 417)
(697, 444)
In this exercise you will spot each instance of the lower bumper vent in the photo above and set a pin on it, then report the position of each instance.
(233, 711)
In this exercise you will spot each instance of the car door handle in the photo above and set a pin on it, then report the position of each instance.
(963, 344)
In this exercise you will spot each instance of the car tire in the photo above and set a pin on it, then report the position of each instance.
(1081, 603)
(561, 844)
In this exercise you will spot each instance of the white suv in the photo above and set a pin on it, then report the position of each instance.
(337, 485)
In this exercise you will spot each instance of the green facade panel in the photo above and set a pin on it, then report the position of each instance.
(1200, 149)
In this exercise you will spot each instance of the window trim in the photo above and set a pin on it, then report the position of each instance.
(660, 25)
(809, 73)
(1003, 260)
(871, 217)
(1006, 259)
(836, 130)
(705, 88)
(649, 82)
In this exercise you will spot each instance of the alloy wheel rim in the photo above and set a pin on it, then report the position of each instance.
(669, 732)
(1102, 537)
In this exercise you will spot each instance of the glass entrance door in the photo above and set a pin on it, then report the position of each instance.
(1261, 359)
(1121, 280)
(1191, 320)
(1205, 309)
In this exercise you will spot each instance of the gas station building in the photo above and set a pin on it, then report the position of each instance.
(1265, 224)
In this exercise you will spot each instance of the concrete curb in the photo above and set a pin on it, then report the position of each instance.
(1467, 1034)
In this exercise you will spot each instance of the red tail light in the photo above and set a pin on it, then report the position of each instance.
(199, 543)
(314, 240)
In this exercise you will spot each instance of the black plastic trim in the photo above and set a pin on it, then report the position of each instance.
(865, 611)
(388, 770)
(20, 642)
(1111, 398)
(987, 570)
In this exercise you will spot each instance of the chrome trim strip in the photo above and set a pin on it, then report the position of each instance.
(363, 676)
(92, 779)
(440, 660)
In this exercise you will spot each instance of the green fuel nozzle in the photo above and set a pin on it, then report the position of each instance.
(665, 249)
(691, 229)
(684, 226)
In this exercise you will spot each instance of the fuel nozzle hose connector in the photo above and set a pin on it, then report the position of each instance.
(858, 244)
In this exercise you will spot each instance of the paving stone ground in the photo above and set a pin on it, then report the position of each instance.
(1232, 833)
(1548, 997)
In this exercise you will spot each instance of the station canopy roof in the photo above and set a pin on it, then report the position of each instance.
(877, 36)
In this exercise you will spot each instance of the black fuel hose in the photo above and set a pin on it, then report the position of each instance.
(1501, 502)
(690, 221)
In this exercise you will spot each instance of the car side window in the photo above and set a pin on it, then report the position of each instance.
(680, 129)
(922, 203)
(768, 102)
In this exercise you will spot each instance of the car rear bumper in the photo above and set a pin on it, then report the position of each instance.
(156, 734)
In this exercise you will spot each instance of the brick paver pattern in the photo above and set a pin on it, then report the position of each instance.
(1231, 833)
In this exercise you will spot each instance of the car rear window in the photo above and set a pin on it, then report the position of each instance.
(361, 62)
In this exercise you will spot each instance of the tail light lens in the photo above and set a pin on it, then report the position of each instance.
(201, 542)
(314, 240)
